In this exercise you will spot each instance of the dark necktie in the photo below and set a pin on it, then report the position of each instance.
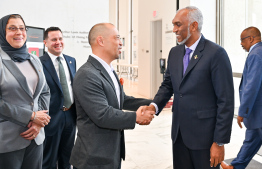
(63, 82)
(186, 59)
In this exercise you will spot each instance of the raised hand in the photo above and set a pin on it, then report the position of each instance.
(144, 115)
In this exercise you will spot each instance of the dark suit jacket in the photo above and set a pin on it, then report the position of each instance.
(250, 89)
(100, 120)
(57, 101)
(203, 104)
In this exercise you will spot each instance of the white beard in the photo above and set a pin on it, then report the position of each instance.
(188, 36)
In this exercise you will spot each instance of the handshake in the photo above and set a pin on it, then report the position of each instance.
(145, 114)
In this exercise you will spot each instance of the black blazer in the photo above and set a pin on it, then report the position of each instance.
(203, 104)
(57, 100)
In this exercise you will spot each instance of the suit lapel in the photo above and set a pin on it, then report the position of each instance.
(195, 57)
(104, 73)
(121, 90)
(179, 62)
(70, 66)
(108, 78)
(48, 64)
(40, 76)
(10, 65)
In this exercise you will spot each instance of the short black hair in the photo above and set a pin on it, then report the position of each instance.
(50, 29)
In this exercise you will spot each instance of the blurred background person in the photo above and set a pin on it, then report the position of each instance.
(250, 92)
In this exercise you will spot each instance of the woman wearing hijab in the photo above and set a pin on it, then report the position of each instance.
(24, 99)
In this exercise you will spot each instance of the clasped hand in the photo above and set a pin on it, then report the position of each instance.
(40, 119)
(144, 115)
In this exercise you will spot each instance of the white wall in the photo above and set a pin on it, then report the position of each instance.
(124, 27)
(208, 9)
(71, 16)
(166, 10)
(113, 12)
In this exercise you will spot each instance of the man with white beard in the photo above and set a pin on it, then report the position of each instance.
(199, 75)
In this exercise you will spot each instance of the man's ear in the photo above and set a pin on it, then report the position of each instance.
(252, 39)
(194, 26)
(45, 42)
(100, 40)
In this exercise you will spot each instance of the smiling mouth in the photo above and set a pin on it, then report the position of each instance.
(18, 38)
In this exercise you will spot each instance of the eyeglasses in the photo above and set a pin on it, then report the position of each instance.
(246, 37)
(15, 29)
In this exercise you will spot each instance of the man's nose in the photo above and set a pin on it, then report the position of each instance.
(174, 29)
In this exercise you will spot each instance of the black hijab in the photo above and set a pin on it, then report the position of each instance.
(16, 54)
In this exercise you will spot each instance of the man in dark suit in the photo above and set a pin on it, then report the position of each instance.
(250, 93)
(200, 77)
(59, 71)
(99, 99)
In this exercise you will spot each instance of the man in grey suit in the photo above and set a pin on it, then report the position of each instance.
(99, 99)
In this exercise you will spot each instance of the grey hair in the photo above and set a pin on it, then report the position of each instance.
(194, 14)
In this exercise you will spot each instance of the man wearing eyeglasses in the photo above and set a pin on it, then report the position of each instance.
(250, 92)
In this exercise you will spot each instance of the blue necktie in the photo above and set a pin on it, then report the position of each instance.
(186, 59)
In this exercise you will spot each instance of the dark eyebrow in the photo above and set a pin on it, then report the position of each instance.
(19, 25)
(175, 23)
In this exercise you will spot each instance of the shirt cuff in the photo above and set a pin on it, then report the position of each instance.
(156, 107)
(220, 144)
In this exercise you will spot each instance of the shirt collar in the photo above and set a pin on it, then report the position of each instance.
(193, 47)
(53, 57)
(252, 47)
(104, 64)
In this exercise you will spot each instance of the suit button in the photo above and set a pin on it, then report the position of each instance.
(181, 95)
(32, 103)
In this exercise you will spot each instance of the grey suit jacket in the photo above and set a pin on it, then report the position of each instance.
(100, 120)
(17, 103)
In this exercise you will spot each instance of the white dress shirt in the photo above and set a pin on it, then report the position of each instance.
(68, 79)
(110, 69)
(193, 47)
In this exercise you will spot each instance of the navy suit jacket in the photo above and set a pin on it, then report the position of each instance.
(57, 100)
(203, 105)
(250, 89)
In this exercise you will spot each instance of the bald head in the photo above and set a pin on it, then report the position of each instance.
(249, 37)
(100, 29)
(253, 31)
(105, 42)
